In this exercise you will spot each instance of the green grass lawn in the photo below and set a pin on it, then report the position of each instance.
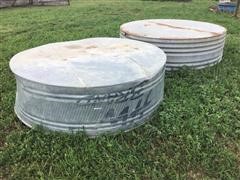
(195, 133)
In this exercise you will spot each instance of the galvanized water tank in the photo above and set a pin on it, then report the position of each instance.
(187, 43)
(97, 85)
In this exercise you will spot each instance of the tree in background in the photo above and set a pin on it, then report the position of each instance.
(237, 8)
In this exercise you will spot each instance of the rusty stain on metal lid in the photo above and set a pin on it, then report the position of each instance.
(172, 29)
(94, 62)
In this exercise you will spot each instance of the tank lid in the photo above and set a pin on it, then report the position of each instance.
(172, 29)
(94, 62)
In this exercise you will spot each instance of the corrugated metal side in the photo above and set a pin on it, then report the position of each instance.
(72, 110)
(192, 54)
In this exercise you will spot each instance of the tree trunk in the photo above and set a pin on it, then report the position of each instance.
(237, 8)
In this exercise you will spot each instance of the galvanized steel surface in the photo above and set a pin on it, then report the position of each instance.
(96, 85)
(186, 43)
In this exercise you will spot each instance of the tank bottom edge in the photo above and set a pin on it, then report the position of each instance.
(91, 132)
(204, 64)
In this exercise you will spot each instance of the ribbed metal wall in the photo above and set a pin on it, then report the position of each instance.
(95, 110)
(202, 48)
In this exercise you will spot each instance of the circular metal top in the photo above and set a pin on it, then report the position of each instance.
(172, 29)
(94, 62)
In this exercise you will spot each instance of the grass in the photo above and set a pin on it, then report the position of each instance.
(195, 133)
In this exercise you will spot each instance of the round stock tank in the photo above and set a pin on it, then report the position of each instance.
(187, 43)
(96, 85)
